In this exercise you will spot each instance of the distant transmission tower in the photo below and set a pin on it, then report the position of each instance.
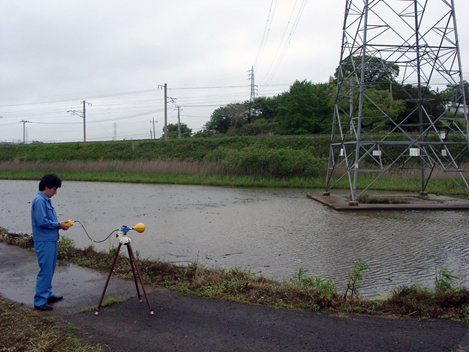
(253, 95)
(396, 57)
(253, 86)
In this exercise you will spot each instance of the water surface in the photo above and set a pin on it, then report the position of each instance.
(270, 231)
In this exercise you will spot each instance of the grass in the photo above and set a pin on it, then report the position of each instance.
(108, 301)
(391, 183)
(176, 178)
(23, 329)
(188, 149)
(287, 162)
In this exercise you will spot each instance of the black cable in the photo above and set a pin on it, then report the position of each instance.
(76, 221)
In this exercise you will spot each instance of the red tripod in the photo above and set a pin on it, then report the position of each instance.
(124, 240)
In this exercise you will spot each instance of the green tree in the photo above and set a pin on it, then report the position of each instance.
(377, 71)
(377, 103)
(227, 116)
(186, 132)
(260, 118)
(432, 102)
(306, 109)
(263, 108)
(384, 96)
(453, 93)
(218, 122)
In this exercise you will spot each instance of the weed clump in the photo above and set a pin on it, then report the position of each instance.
(446, 301)
(354, 277)
(17, 239)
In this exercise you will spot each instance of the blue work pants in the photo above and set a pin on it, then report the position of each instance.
(47, 259)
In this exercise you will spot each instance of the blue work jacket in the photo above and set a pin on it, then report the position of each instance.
(44, 219)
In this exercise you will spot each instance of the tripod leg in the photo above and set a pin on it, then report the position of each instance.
(108, 278)
(133, 271)
(132, 257)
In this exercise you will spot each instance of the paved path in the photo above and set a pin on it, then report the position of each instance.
(188, 323)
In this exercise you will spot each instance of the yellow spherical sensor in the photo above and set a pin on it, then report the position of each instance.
(139, 227)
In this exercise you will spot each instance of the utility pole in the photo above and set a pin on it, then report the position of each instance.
(84, 121)
(165, 112)
(179, 121)
(154, 132)
(24, 122)
(83, 115)
(165, 87)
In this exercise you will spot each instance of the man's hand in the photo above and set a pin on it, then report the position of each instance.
(63, 226)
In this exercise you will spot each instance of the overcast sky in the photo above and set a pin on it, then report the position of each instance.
(117, 54)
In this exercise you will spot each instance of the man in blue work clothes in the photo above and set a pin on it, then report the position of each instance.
(46, 234)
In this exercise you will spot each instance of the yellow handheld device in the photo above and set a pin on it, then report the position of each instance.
(69, 223)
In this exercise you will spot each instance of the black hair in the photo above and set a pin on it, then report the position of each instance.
(49, 181)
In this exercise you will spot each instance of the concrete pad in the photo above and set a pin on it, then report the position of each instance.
(341, 202)
(81, 287)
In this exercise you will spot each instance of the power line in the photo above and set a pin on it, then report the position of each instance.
(288, 41)
(266, 33)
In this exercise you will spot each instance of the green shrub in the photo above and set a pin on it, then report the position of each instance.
(260, 160)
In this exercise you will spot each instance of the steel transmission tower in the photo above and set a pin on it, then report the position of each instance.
(253, 86)
(396, 56)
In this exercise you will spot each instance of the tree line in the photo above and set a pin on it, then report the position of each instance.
(307, 108)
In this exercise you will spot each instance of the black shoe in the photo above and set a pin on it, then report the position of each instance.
(54, 298)
(43, 307)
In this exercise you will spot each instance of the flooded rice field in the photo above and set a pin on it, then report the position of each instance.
(270, 231)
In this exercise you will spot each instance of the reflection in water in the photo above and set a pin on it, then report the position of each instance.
(269, 231)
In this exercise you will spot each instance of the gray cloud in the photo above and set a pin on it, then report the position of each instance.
(64, 52)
